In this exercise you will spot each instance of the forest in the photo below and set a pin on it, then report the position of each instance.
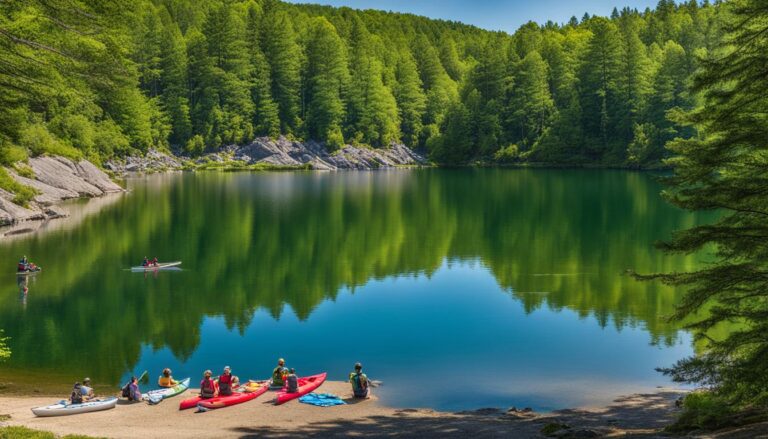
(109, 78)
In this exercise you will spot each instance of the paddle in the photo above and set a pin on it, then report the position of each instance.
(144, 378)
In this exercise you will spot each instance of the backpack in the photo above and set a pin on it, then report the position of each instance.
(76, 397)
(126, 390)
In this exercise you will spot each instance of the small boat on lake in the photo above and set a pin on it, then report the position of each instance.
(156, 267)
(155, 396)
(64, 408)
(29, 272)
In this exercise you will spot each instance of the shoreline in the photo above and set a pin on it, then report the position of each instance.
(640, 414)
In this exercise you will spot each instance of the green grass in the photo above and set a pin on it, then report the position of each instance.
(22, 194)
(28, 433)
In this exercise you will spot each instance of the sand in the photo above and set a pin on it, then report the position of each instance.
(636, 415)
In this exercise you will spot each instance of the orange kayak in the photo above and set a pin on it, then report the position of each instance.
(306, 385)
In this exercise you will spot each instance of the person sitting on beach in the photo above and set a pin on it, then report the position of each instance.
(131, 390)
(77, 394)
(279, 373)
(207, 386)
(86, 389)
(292, 382)
(359, 382)
(227, 382)
(166, 380)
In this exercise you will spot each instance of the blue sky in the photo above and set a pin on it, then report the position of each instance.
(506, 15)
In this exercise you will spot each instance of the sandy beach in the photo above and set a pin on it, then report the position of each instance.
(642, 415)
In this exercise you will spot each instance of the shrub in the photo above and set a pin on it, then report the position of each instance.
(39, 140)
(508, 154)
(22, 194)
(195, 146)
(10, 154)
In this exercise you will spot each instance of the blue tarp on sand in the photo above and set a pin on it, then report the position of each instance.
(322, 399)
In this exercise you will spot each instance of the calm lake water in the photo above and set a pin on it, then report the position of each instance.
(459, 289)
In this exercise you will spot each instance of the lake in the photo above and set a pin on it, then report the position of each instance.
(459, 289)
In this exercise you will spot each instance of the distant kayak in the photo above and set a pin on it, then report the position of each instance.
(159, 266)
(306, 385)
(29, 272)
(64, 408)
(158, 395)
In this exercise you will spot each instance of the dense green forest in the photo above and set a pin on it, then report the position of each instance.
(98, 79)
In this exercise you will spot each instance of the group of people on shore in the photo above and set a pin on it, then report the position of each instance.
(224, 385)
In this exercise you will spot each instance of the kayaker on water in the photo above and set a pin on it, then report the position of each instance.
(86, 389)
(166, 380)
(145, 262)
(154, 262)
(25, 265)
(360, 383)
(227, 382)
(292, 382)
(278, 375)
(207, 386)
(76, 397)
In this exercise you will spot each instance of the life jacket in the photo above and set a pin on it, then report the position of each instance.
(225, 384)
(22, 266)
(207, 388)
(76, 397)
(278, 376)
(165, 381)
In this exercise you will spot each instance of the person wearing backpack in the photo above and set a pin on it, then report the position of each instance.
(131, 390)
(279, 374)
(207, 386)
(77, 394)
(359, 381)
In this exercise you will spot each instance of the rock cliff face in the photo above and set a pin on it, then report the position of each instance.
(56, 179)
(278, 152)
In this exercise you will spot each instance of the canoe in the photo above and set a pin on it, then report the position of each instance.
(167, 392)
(306, 385)
(64, 408)
(159, 266)
(29, 272)
(252, 388)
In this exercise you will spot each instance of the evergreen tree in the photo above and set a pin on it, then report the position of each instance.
(327, 82)
(723, 169)
(266, 120)
(411, 100)
(278, 42)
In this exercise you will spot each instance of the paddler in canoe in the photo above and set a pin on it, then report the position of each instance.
(208, 386)
(26, 266)
(166, 379)
(86, 390)
(279, 374)
(359, 381)
(227, 382)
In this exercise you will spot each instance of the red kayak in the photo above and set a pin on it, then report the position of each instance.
(306, 385)
(223, 401)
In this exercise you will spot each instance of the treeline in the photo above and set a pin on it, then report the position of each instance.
(105, 78)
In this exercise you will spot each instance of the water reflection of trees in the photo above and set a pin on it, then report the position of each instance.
(267, 241)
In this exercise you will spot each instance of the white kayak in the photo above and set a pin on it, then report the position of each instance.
(28, 272)
(155, 396)
(159, 266)
(64, 408)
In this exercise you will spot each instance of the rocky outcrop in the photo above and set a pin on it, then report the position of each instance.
(56, 179)
(284, 152)
(153, 161)
(280, 152)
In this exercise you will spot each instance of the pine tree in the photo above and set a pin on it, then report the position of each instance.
(266, 119)
(411, 101)
(278, 42)
(724, 169)
(328, 79)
